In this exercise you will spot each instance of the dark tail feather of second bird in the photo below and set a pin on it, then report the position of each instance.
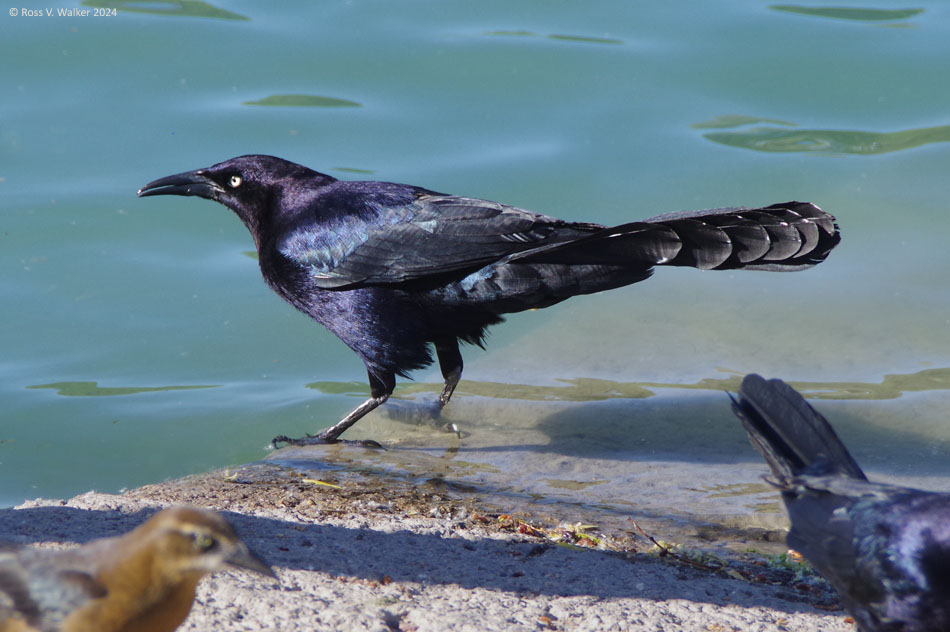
(780, 237)
(792, 436)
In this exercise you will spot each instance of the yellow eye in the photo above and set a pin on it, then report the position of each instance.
(202, 541)
(235, 181)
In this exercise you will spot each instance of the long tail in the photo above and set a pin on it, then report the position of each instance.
(789, 236)
(790, 434)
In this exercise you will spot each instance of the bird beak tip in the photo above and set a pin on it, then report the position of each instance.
(189, 183)
(248, 561)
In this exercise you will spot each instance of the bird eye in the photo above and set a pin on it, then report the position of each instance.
(203, 542)
(235, 181)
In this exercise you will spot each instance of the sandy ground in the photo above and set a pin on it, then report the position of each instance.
(377, 554)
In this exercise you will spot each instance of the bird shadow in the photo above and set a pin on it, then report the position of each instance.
(698, 429)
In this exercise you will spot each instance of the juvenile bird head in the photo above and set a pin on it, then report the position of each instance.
(251, 186)
(142, 581)
(190, 541)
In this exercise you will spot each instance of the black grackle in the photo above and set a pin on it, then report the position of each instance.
(885, 549)
(392, 268)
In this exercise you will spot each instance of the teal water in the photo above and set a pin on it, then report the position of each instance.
(139, 342)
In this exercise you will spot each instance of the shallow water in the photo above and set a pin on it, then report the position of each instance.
(140, 343)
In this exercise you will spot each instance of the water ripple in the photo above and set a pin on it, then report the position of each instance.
(589, 389)
(859, 14)
(583, 39)
(304, 100)
(92, 389)
(783, 140)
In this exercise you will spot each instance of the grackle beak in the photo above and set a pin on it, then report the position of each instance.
(188, 183)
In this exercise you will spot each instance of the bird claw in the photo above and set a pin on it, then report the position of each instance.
(310, 439)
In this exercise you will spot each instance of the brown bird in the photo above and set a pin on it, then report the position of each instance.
(143, 581)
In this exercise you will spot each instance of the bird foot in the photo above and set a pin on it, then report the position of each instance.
(322, 440)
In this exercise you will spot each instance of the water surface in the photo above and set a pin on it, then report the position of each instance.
(140, 343)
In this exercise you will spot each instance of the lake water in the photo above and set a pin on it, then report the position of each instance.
(139, 342)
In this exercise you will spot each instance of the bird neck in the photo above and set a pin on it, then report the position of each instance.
(168, 612)
(145, 592)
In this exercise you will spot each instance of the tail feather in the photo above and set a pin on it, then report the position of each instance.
(789, 236)
(750, 237)
(792, 436)
(783, 239)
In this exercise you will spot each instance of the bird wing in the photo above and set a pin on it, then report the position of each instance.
(42, 587)
(431, 237)
(881, 546)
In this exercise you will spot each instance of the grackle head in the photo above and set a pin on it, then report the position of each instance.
(248, 185)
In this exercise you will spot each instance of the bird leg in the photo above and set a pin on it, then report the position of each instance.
(450, 361)
(330, 434)
(380, 390)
